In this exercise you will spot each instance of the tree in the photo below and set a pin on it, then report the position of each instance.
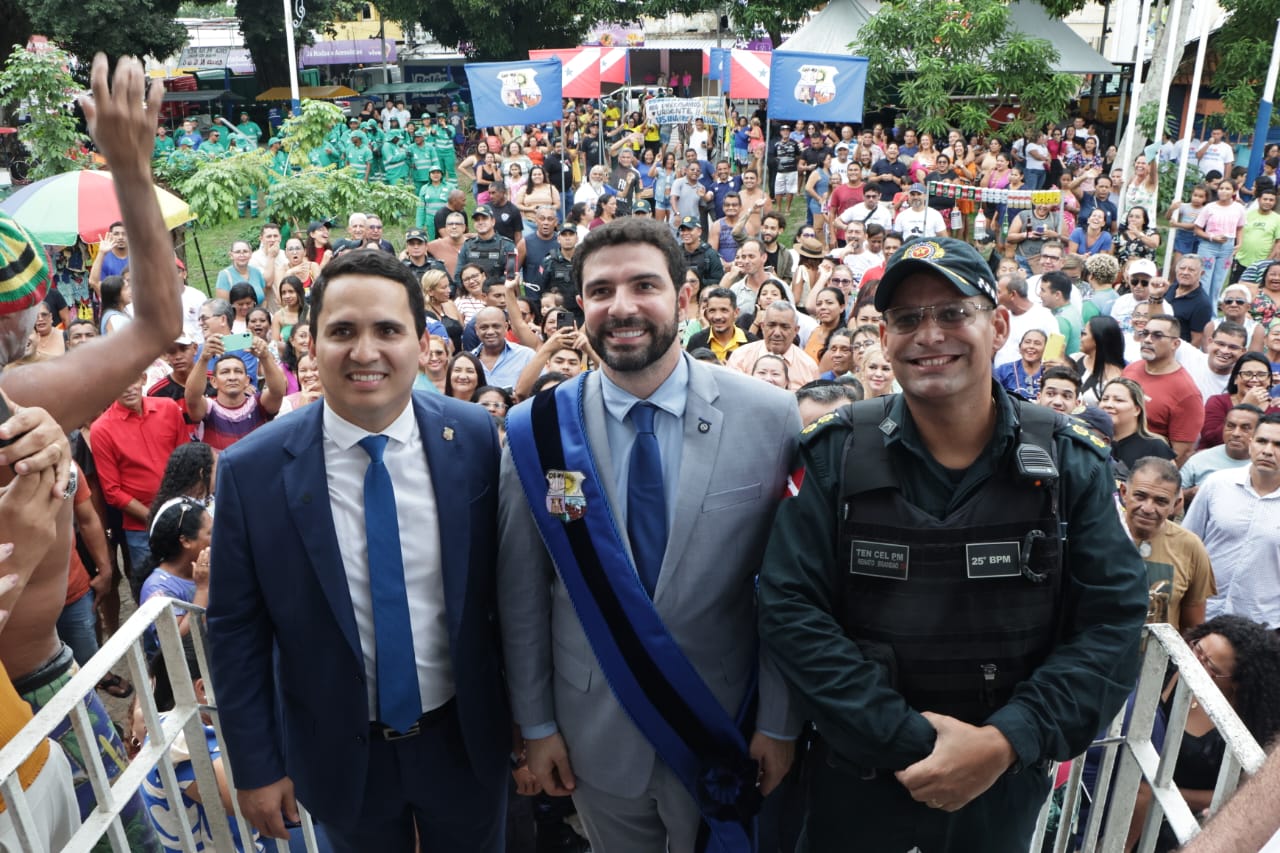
(262, 25)
(41, 85)
(946, 63)
(1244, 47)
(114, 27)
(777, 18)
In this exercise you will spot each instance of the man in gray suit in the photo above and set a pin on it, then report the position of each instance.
(629, 548)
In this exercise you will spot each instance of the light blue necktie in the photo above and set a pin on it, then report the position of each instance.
(399, 704)
(646, 499)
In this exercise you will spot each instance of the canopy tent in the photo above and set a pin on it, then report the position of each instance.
(832, 29)
(430, 87)
(203, 96)
(314, 93)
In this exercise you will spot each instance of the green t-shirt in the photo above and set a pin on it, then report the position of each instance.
(1259, 235)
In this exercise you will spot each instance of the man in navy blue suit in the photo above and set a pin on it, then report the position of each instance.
(352, 594)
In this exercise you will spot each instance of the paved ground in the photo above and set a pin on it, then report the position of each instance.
(119, 708)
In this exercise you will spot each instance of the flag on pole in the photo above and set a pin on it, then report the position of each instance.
(749, 73)
(706, 63)
(507, 93)
(718, 57)
(613, 65)
(816, 86)
(579, 72)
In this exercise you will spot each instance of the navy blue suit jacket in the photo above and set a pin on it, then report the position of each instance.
(285, 653)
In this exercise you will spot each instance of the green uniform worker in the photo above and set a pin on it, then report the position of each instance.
(183, 156)
(246, 205)
(278, 167)
(163, 146)
(360, 156)
(442, 139)
(422, 158)
(901, 541)
(249, 129)
(431, 198)
(395, 161)
(373, 140)
(213, 147)
(324, 155)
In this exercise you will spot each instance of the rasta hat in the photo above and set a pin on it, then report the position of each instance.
(24, 271)
(955, 260)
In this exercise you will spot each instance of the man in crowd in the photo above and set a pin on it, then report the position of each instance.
(356, 223)
(1179, 576)
(687, 193)
(918, 219)
(1175, 410)
(539, 245)
(724, 232)
(1237, 436)
(502, 359)
(666, 431)
(1055, 294)
(557, 272)
(1141, 273)
(415, 253)
(1211, 372)
(779, 326)
(698, 254)
(455, 203)
(373, 238)
(928, 743)
(1191, 303)
(448, 246)
(180, 357)
(1060, 389)
(113, 255)
(488, 248)
(1099, 199)
(722, 334)
(776, 256)
(236, 409)
(216, 318)
(371, 548)
(1216, 155)
(507, 220)
(1260, 238)
(1234, 514)
(784, 163)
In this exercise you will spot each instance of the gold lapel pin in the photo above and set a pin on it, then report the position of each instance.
(447, 433)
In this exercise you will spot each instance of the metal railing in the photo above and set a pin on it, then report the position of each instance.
(1130, 757)
(186, 718)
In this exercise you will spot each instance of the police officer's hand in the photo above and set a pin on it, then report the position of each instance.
(965, 762)
(774, 757)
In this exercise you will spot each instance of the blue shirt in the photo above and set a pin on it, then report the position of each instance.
(668, 424)
(506, 371)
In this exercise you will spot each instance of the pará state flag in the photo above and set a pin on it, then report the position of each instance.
(749, 74)
(507, 93)
(817, 86)
(580, 73)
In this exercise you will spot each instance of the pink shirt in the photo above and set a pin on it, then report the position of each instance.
(1218, 219)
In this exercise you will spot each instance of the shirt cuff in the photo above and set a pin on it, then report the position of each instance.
(1013, 722)
(776, 736)
(539, 731)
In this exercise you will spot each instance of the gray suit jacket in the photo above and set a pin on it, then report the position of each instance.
(732, 477)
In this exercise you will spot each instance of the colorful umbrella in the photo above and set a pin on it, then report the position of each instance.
(81, 205)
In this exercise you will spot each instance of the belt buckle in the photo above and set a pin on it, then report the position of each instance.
(391, 734)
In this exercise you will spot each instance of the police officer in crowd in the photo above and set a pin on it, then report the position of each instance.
(949, 593)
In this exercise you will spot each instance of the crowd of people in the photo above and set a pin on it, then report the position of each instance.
(639, 327)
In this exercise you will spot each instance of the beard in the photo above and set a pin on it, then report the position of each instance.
(660, 340)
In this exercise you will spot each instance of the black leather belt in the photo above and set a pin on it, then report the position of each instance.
(428, 720)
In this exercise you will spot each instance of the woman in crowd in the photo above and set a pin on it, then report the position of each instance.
(294, 348)
(1101, 357)
(298, 265)
(1022, 376)
(772, 369)
(181, 529)
(259, 324)
(498, 401)
(1137, 238)
(876, 373)
(813, 270)
(923, 163)
(865, 336)
(309, 387)
(433, 366)
(435, 292)
(829, 312)
(1243, 659)
(116, 295)
(464, 376)
(1250, 383)
(606, 211)
(1233, 305)
(997, 178)
(487, 171)
(46, 340)
(1219, 228)
(646, 190)
(318, 250)
(471, 299)
(292, 310)
(1125, 402)
(664, 176)
(192, 472)
(1092, 238)
(1140, 190)
(467, 168)
(817, 188)
(535, 193)
(839, 354)
(1266, 305)
(243, 299)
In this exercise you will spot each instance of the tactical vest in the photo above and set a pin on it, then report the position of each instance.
(959, 610)
(489, 254)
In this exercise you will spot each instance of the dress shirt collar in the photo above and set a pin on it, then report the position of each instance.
(347, 435)
(670, 396)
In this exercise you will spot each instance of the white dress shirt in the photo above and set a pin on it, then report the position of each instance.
(345, 466)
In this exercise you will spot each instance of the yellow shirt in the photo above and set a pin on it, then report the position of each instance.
(722, 351)
(1177, 568)
(14, 714)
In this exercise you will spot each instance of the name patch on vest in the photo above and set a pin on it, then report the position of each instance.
(879, 559)
(993, 559)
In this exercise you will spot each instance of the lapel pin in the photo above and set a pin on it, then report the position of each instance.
(447, 433)
(704, 426)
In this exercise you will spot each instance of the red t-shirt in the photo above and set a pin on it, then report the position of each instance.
(1175, 408)
(131, 451)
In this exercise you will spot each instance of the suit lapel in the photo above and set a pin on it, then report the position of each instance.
(702, 426)
(306, 491)
(446, 460)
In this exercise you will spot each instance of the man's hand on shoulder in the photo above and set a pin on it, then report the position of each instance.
(965, 762)
(549, 760)
(267, 808)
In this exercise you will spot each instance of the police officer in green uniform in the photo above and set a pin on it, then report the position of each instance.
(949, 592)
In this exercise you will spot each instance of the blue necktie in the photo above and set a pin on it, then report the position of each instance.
(646, 500)
(399, 704)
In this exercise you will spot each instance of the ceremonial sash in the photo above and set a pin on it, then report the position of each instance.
(646, 669)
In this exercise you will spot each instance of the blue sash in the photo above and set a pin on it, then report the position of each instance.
(646, 669)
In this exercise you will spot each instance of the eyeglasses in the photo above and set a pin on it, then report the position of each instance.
(1155, 336)
(864, 344)
(1235, 300)
(1251, 375)
(808, 234)
(1212, 668)
(1139, 282)
(835, 280)
(948, 315)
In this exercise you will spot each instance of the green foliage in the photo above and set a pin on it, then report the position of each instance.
(1147, 122)
(1243, 46)
(946, 64)
(40, 84)
(114, 27)
(302, 133)
(776, 18)
(262, 25)
(215, 187)
(1169, 181)
(316, 193)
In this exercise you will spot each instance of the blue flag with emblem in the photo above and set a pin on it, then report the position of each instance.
(507, 93)
(719, 59)
(817, 86)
